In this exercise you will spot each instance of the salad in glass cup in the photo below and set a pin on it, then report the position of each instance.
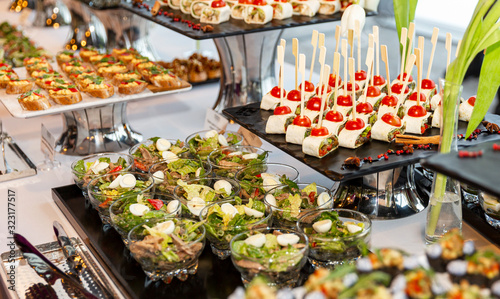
(166, 174)
(156, 149)
(195, 194)
(256, 180)
(202, 143)
(227, 218)
(289, 202)
(491, 207)
(167, 248)
(227, 161)
(278, 254)
(92, 166)
(106, 189)
(336, 236)
(130, 211)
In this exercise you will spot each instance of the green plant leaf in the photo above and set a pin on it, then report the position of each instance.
(412, 9)
(401, 15)
(489, 81)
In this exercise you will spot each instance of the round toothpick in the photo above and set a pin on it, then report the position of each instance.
(434, 39)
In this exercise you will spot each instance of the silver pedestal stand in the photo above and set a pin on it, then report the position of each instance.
(390, 194)
(95, 130)
(248, 67)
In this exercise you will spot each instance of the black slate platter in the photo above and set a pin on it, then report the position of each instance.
(254, 119)
(232, 27)
(214, 279)
(481, 172)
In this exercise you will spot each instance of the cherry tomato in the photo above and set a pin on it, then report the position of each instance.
(311, 197)
(281, 110)
(328, 90)
(308, 87)
(349, 86)
(417, 111)
(276, 91)
(390, 101)
(321, 131)
(391, 119)
(156, 203)
(413, 97)
(334, 116)
(360, 76)
(396, 88)
(218, 3)
(259, 2)
(354, 124)
(331, 80)
(373, 91)
(73, 90)
(303, 121)
(404, 77)
(293, 95)
(427, 84)
(472, 100)
(314, 104)
(344, 100)
(364, 108)
(378, 80)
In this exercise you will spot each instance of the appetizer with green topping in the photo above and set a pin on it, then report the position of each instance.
(167, 247)
(156, 149)
(277, 254)
(335, 236)
(226, 161)
(293, 200)
(202, 143)
(225, 219)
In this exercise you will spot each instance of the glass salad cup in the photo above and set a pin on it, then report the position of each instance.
(143, 164)
(195, 194)
(202, 152)
(101, 197)
(220, 235)
(160, 263)
(122, 218)
(281, 268)
(82, 177)
(252, 183)
(491, 207)
(229, 169)
(328, 251)
(165, 184)
(287, 217)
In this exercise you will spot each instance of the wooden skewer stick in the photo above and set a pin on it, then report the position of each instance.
(350, 40)
(371, 44)
(295, 51)
(434, 39)
(411, 34)
(421, 45)
(321, 40)
(353, 82)
(337, 38)
(404, 37)
(376, 40)
(369, 66)
(383, 50)
(281, 62)
(448, 50)
(458, 48)
(324, 96)
(283, 44)
(344, 56)
(322, 54)
(418, 55)
(409, 68)
(410, 139)
(358, 35)
(336, 67)
(314, 43)
(302, 70)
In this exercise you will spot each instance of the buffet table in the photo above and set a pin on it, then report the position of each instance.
(173, 116)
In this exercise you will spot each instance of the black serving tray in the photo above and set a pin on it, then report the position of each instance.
(232, 27)
(214, 279)
(481, 172)
(254, 119)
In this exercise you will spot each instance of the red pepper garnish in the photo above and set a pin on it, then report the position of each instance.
(311, 197)
(116, 169)
(156, 203)
(256, 192)
(139, 165)
(105, 203)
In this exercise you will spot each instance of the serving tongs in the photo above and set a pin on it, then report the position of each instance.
(48, 271)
